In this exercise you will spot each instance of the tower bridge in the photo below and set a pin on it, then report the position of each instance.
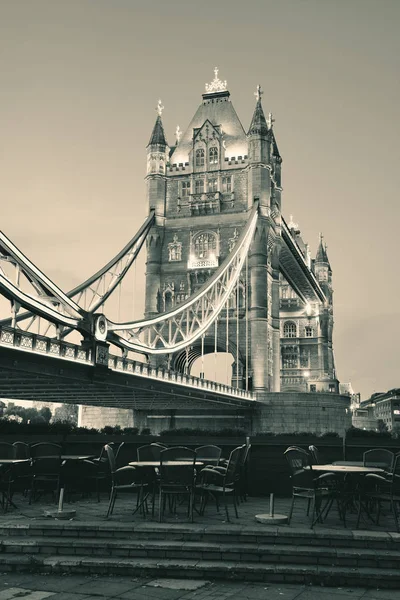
(225, 272)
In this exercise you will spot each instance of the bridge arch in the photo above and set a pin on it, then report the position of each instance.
(187, 358)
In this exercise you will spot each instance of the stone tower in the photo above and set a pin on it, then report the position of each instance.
(202, 190)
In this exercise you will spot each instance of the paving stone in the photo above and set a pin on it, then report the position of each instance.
(379, 594)
(23, 594)
(105, 587)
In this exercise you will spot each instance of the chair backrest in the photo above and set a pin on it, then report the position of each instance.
(396, 476)
(150, 451)
(234, 464)
(21, 450)
(298, 459)
(245, 455)
(379, 457)
(177, 475)
(111, 458)
(300, 466)
(7, 450)
(43, 449)
(209, 455)
(316, 459)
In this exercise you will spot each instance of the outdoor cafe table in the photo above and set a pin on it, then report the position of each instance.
(61, 513)
(349, 468)
(157, 463)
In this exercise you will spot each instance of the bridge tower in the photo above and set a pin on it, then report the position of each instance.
(203, 190)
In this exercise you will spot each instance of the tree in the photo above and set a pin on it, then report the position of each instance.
(67, 413)
(28, 415)
(382, 427)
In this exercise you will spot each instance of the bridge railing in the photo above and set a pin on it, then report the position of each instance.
(33, 342)
(133, 367)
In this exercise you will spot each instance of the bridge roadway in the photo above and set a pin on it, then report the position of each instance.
(69, 374)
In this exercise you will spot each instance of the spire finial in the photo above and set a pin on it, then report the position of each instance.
(271, 120)
(292, 224)
(321, 237)
(178, 134)
(258, 93)
(160, 108)
(216, 85)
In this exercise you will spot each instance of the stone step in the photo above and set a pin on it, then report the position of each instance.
(266, 554)
(229, 533)
(205, 569)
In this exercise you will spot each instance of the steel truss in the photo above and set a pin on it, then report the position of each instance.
(179, 328)
(69, 311)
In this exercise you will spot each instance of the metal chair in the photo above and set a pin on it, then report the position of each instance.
(176, 480)
(21, 450)
(208, 455)
(7, 450)
(151, 452)
(124, 480)
(384, 489)
(308, 486)
(379, 457)
(316, 458)
(221, 482)
(45, 449)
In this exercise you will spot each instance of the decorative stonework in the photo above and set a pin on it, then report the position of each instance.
(204, 250)
(216, 85)
(232, 241)
(175, 250)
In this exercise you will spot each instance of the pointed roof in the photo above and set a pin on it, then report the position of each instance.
(158, 136)
(321, 256)
(275, 150)
(218, 110)
(258, 123)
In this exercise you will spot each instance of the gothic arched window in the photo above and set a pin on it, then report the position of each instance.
(200, 157)
(199, 186)
(168, 301)
(205, 245)
(289, 330)
(213, 155)
(309, 331)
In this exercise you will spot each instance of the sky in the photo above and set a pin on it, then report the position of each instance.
(79, 84)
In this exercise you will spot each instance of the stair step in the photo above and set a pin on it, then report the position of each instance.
(265, 554)
(191, 568)
(232, 534)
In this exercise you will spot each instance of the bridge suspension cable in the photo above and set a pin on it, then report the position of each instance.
(50, 302)
(179, 328)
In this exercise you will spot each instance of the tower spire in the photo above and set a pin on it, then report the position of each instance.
(258, 123)
(158, 135)
(321, 256)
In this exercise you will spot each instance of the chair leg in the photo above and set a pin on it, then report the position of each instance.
(395, 514)
(291, 510)
(226, 507)
(160, 505)
(111, 503)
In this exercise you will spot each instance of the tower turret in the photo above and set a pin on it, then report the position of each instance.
(259, 156)
(157, 157)
(323, 271)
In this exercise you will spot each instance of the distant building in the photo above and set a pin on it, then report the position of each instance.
(384, 406)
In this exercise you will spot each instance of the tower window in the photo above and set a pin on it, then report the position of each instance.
(200, 157)
(185, 190)
(213, 185)
(309, 331)
(289, 330)
(205, 245)
(213, 155)
(227, 184)
(199, 186)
